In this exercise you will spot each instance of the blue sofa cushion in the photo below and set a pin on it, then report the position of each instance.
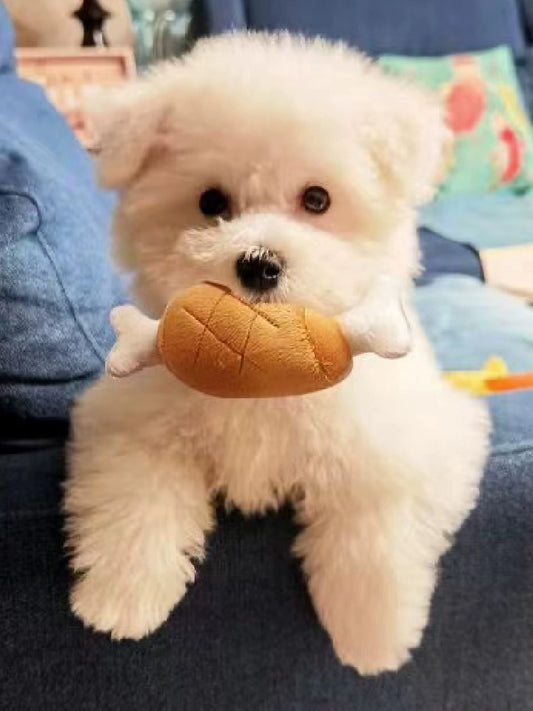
(468, 321)
(247, 624)
(440, 255)
(413, 27)
(527, 12)
(56, 281)
(485, 221)
(525, 77)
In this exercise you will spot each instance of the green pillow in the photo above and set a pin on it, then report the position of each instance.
(493, 146)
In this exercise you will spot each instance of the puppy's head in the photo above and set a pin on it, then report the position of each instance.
(284, 168)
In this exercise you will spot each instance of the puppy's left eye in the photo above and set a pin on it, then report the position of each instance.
(215, 203)
(316, 199)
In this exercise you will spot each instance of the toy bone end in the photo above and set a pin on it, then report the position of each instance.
(378, 324)
(135, 347)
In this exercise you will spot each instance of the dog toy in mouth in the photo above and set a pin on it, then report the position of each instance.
(219, 344)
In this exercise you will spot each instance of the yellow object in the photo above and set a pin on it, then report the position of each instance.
(494, 377)
(475, 381)
(218, 344)
(512, 104)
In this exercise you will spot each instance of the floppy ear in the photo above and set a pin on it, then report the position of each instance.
(125, 123)
(410, 143)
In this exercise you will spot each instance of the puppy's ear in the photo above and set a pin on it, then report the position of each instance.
(410, 143)
(125, 123)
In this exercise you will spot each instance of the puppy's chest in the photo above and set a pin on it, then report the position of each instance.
(258, 449)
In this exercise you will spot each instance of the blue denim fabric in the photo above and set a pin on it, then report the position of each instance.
(7, 42)
(416, 27)
(56, 281)
(246, 637)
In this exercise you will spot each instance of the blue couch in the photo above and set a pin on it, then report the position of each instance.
(245, 637)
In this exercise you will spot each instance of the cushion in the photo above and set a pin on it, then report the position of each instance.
(524, 70)
(468, 321)
(245, 636)
(527, 12)
(56, 282)
(215, 16)
(440, 255)
(377, 26)
(493, 145)
(485, 221)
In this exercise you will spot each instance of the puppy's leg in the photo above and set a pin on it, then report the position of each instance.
(137, 511)
(391, 501)
(371, 573)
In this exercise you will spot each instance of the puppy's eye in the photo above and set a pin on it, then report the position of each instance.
(214, 203)
(315, 199)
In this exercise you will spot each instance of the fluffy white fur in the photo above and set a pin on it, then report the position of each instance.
(383, 468)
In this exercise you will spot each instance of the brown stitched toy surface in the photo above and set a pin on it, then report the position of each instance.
(220, 345)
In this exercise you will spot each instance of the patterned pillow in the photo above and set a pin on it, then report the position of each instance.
(493, 146)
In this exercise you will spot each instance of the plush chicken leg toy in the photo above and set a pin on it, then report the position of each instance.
(219, 344)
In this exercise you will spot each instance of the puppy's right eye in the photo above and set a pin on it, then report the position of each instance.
(316, 199)
(215, 203)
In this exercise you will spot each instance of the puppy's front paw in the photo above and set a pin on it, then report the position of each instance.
(373, 639)
(370, 659)
(369, 629)
(129, 611)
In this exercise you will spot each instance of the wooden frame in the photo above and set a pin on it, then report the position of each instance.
(66, 74)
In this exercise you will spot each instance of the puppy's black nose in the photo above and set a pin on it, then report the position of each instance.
(259, 269)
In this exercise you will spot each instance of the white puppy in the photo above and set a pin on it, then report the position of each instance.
(273, 145)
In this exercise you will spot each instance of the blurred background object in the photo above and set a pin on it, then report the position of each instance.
(71, 46)
(157, 29)
(69, 75)
(70, 23)
(163, 28)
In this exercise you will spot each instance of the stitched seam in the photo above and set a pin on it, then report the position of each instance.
(43, 152)
(205, 325)
(30, 198)
(261, 315)
(243, 355)
(88, 337)
(46, 249)
(311, 345)
(253, 306)
(219, 340)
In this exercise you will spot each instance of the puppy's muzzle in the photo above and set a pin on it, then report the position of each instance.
(259, 269)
